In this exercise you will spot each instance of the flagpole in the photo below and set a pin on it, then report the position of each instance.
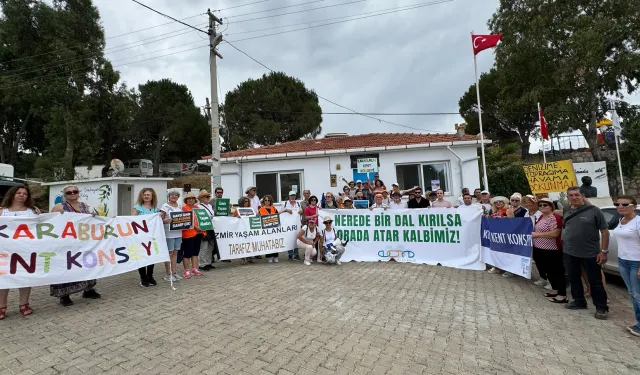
(544, 156)
(616, 131)
(484, 163)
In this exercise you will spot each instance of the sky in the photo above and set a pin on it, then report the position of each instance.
(413, 61)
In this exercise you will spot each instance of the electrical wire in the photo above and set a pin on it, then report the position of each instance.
(328, 100)
(65, 74)
(37, 68)
(302, 11)
(243, 5)
(337, 22)
(272, 9)
(169, 17)
(405, 7)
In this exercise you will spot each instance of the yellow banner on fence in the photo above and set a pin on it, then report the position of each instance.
(551, 177)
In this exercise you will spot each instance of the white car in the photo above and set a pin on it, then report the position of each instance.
(613, 218)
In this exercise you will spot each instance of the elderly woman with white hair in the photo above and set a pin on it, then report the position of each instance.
(71, 203)
(174, 237)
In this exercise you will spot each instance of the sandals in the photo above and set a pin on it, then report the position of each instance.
(25, 310)
(551, 295)
(3, 312)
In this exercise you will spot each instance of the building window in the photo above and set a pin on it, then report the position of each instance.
(423, 175)
(278, 184)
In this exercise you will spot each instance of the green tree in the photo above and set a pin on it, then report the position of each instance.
(274, 108)
(169, 126)
(571, 56)
(506, 174)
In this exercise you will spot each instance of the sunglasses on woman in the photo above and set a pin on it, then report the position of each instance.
(544, 205)
(71, 192)
(622, 204)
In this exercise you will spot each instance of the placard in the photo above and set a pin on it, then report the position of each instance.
(204, 220)
(367, 165)
(270, 221)
(435, 185)
(222, 206)
(246, 211)
(552, 177)
(360, 203)
(180, 220)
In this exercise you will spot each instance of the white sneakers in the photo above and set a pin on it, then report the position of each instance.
(269, 260)
(307, 263)
(275, 260)
(541, 282)
(338, 262)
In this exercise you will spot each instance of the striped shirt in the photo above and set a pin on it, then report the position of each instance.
(546, 224)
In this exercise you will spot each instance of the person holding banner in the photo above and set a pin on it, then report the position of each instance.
(397, 203)
(146, 204)
(71, 203)
(292, 207)
(191, 239)
(308, 240)
(311, 211)
(243, 202)
(547, 249)
(268, 209)
(208, 248)
(17, 202)
(174, 237)
(628, 235)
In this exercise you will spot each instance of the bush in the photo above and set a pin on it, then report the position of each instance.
(505, 170)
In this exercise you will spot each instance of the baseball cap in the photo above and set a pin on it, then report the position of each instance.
(293, 193)
(484, 192)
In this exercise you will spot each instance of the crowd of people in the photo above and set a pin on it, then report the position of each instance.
(570, 244)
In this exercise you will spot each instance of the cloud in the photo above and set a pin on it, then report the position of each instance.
(417, 60)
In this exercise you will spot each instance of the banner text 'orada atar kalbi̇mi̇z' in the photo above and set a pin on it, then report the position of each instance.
(59, 248)
(447, 236)
(247, 236)
(508, 244)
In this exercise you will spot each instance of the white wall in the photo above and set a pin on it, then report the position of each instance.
(317, 170)
(83, 172)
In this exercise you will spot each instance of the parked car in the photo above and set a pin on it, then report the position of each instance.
(613, 218)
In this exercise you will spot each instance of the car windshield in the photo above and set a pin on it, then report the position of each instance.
(612, 217)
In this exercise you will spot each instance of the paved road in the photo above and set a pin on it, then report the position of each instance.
(361, 318)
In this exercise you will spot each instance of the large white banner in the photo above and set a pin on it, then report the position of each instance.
(446, 236)
(59, 248)
(249, 236)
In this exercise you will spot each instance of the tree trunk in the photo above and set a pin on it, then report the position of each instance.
(16, 144)
(157, 156)
(590, 135)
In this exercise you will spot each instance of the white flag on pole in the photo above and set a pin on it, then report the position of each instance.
(615, 121)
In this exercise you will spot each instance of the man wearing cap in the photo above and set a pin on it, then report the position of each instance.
(253, 197)
(208, 247)
(395, 187)
(292, 207)
(485, 201)
(348, 203)
(397, 202)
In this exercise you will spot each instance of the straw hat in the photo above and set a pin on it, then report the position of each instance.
(203, 193)
(327, 218)
(499, 198)
(189, 195)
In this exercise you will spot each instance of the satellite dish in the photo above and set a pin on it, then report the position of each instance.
(117, 166)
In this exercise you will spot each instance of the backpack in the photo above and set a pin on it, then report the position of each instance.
(558, 226)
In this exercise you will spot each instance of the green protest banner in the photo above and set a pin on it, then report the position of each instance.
(204, 220)
(222, 207)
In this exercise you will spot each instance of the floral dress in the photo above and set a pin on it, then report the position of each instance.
(62, 290)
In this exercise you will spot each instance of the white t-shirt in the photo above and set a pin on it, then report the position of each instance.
(294, 207)
(309, 235)
(628, 237)
(168, 210)
(329, 237)
(460, 201)
(534, 218)
(255, 203)
(396, 206)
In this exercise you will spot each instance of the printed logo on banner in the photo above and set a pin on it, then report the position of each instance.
(255, 222)
(399, 254)
(270, 221)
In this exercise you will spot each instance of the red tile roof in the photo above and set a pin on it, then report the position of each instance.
(348, 142)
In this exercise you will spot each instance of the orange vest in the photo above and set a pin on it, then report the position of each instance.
(264, 211)
(188, 233)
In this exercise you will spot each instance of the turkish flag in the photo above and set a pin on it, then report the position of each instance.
(482, 42)
(544, 130)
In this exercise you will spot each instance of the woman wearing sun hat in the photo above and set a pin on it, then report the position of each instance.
(498, 210)
(207, 246)
(191, 239)
(329, 240)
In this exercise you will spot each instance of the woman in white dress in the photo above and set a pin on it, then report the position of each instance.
(17, 202)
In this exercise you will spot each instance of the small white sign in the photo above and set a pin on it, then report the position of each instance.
(367, 165)
(435, 185)
(294, 188)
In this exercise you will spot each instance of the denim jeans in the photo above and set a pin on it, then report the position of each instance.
(629, 272)
(293, 253)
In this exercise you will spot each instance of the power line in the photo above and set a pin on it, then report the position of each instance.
(405, 7)
(169, 17)
(66, 74)
(330, 101)
(272, 9)
(243, 5)
(302, 11)
(337, 22)
(41, 67)
(156, 26)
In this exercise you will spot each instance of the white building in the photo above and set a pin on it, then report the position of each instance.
(110, 196)
(320, 165)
